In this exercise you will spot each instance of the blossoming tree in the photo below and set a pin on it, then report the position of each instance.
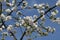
(29, 24)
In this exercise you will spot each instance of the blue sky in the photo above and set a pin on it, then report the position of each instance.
(55, 36)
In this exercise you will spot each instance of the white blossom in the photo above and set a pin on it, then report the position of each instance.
(14, 1)
(58, 20)
(28, 27)
(54, 12)
(17, 24)
(35, 6)
(35, 16)
(49, 29)
(8, 18)
(41, 6)
(8, 10)
(10, 27)
(9, 4)
(41, 11)
(5, 33)
(35, 25)
(0, 29)
(21, 22)
(3, 26)
(52, 30)
(19, 13)
(3, 16)
(24, 4)
(58, 3)
(42, 17)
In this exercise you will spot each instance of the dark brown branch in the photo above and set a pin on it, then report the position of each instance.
(23, 35)
(45, 13)
(13, 35)
(10, 31)
(20, 3)
(24, 32)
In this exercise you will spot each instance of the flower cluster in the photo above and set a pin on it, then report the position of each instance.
(58, 3)
(24, 4)
(27, 22)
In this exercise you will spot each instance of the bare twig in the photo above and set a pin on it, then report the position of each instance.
(13, 35)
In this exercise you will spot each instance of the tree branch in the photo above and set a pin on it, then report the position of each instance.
(20, 3)
(38, 19)
(17, 6)
(45, 13)
(13, 35)
(23, 35)
(4, 22)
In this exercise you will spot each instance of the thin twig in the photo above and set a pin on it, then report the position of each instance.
(3, 22)
(45, 13)
(13, 35)
(17, 6)
(23, 35)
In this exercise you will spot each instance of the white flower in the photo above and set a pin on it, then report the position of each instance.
(21, 22)
(19, 13)
(47, 6)
(42, 17)
(35, 25)
(3, 26)
(28, 27)
(58, 3)
(52, 30)
(58, 20)
(35, 16)
(54, 12)
(3, 16)
(0, 29)
(9, 4)
(8, 18)
(10, 27)
(24, 4)
(14, 1)
(8, 10)
(5, 33)
(17, 24)
(41, 6)
(41, 11)
(49, 29)
(27, 18)
(35, 6)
